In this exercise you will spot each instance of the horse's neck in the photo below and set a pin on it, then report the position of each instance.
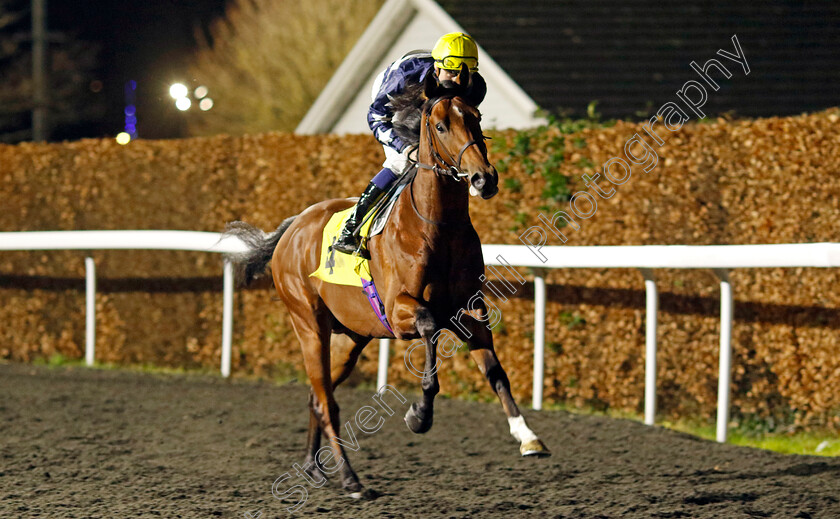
(437, 198)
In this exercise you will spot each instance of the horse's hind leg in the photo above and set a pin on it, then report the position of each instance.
(313, 331)
(313, 443)
(481, 349)
(343, 360)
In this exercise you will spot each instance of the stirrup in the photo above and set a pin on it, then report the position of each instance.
(360, 251)
(352, 249)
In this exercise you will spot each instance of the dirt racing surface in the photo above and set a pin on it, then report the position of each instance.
(86, 443)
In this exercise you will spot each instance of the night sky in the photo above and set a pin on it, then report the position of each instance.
(149, 41)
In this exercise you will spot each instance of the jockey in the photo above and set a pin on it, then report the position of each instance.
(450, 52)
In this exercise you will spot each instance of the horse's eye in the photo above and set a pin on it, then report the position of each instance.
(439, 127)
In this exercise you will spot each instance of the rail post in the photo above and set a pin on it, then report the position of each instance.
(651, 308)
(725, 362)
(227, 317)
(539, 338)
(90, 311)
(382, 372)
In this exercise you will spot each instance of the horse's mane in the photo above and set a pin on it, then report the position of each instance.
(409, 104)
(407, 107)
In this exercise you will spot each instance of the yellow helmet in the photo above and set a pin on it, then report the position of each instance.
(455, 48)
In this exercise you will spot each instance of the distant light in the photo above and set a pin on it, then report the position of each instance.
(206, 104)
(178, 91)
(200, 92)
(132, 84)
(183, 103)
(123, 138)
(96, 86)
(130, 110)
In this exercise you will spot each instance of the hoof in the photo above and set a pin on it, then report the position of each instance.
(352, 486)
(315, 472)
(365, 494)
(534, 448)
(418, 421)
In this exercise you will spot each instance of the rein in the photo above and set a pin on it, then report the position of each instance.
(414, 206)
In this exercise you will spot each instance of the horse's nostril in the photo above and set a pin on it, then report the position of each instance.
(478, 182)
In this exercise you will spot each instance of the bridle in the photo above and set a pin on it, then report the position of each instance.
(442, 167)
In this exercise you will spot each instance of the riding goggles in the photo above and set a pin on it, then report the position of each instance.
(454, 63)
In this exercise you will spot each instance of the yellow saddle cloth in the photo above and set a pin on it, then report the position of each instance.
(337, 267)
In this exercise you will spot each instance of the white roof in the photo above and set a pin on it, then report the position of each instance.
(401, 26)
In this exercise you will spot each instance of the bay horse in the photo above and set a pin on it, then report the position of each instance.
(427, 263)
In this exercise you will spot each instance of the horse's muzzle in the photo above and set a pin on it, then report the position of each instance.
(485, 184)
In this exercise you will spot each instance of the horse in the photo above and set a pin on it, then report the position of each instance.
(427, 263)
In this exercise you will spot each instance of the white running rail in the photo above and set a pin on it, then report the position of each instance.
(646, 258)
(142, 240)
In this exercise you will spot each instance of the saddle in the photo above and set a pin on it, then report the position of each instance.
(346, 269)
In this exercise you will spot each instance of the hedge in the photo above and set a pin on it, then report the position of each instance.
(769, 180)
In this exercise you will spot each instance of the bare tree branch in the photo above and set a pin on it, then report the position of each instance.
(71, 63)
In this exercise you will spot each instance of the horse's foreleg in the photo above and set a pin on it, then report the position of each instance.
(484, 355)
(420, 415)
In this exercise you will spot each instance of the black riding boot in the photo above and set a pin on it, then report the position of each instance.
(347, 242)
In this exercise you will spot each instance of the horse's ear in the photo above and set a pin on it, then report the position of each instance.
(464, 76)
(430, 85)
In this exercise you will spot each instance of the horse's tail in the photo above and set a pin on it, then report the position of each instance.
(252, 263)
